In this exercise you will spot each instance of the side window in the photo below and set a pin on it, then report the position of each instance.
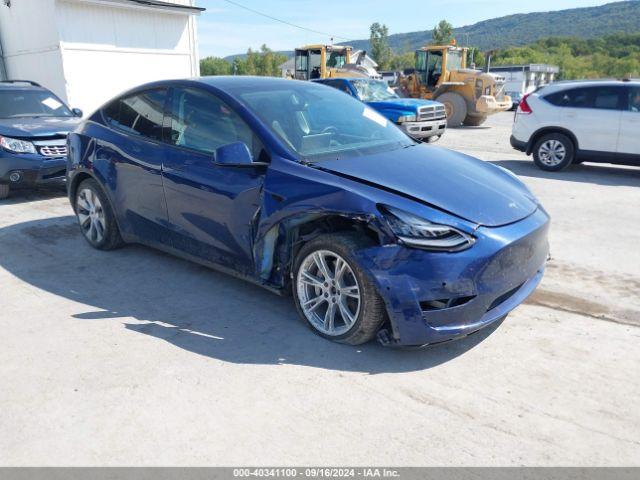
(574, 98)
(633, 103)
(201, 121)
(607, 98)
(140, 114)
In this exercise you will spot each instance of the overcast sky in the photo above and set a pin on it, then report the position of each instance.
(225, 29)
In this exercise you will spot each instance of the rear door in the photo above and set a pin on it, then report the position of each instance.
(133, 152)
(211, 207)
(629, 140)
(593, 115)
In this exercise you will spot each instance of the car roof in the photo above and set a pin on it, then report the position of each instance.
(224, 81)
(562, 85)
(229, 84)
(232, 84)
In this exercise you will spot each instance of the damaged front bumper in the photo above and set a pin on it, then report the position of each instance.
(432, 297)
(27, 170)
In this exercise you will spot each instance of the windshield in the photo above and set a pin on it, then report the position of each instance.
(336, 59)
(373, 91)
(31, 103)
(317, 122)
(454, 59)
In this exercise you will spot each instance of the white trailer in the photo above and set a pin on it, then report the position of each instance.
(87, 51)
(522, 79)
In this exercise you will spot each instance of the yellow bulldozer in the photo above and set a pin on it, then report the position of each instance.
(326, 61)
(469, 95)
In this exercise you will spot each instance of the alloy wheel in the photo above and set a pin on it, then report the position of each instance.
(552, 153)
(91, 215)
(328, 292)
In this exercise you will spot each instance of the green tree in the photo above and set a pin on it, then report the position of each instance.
(475, 56)
(269, 62)
(380, 49)
(614, 56)
(403, 61)
(264, 62)
(442, 33)
(214, 66)
(251, 63)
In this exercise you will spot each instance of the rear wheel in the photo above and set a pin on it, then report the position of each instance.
(553, 152)
(455, 107)
(95, 217)
(4, 191)
(474, 121)
(332, 293)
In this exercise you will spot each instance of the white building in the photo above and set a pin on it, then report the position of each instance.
(87, 51)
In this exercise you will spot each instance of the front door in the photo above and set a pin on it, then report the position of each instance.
(211, 208)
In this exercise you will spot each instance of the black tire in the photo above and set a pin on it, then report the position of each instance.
(474, 121)
(457, 107)
(372, 313)
(111, 238)
(4, 191)
(550, 166)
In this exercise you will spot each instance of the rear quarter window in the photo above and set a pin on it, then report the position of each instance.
(141, 114)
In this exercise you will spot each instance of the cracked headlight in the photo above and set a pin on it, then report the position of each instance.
(16, 146)
(407, 118)
(417, 232)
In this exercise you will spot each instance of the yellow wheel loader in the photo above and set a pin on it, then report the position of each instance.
(327, 61)
(469, 95)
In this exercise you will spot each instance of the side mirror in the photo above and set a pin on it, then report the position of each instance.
(77, 112)
(235, 155)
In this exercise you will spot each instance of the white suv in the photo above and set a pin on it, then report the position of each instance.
(573, 122)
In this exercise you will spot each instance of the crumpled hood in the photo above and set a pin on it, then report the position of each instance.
(456, 183)
(411, 104)
(29, 127)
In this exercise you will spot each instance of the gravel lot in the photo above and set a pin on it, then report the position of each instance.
(134, 357)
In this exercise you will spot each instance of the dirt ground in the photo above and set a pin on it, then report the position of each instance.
(134, 357)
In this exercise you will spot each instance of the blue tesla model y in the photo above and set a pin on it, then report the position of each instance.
(301, 189)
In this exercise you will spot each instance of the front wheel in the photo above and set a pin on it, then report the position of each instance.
(455, 106)
(332, 293)
(553, 152)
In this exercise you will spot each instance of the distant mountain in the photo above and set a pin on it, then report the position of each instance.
(525, 28)
(522, 29)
